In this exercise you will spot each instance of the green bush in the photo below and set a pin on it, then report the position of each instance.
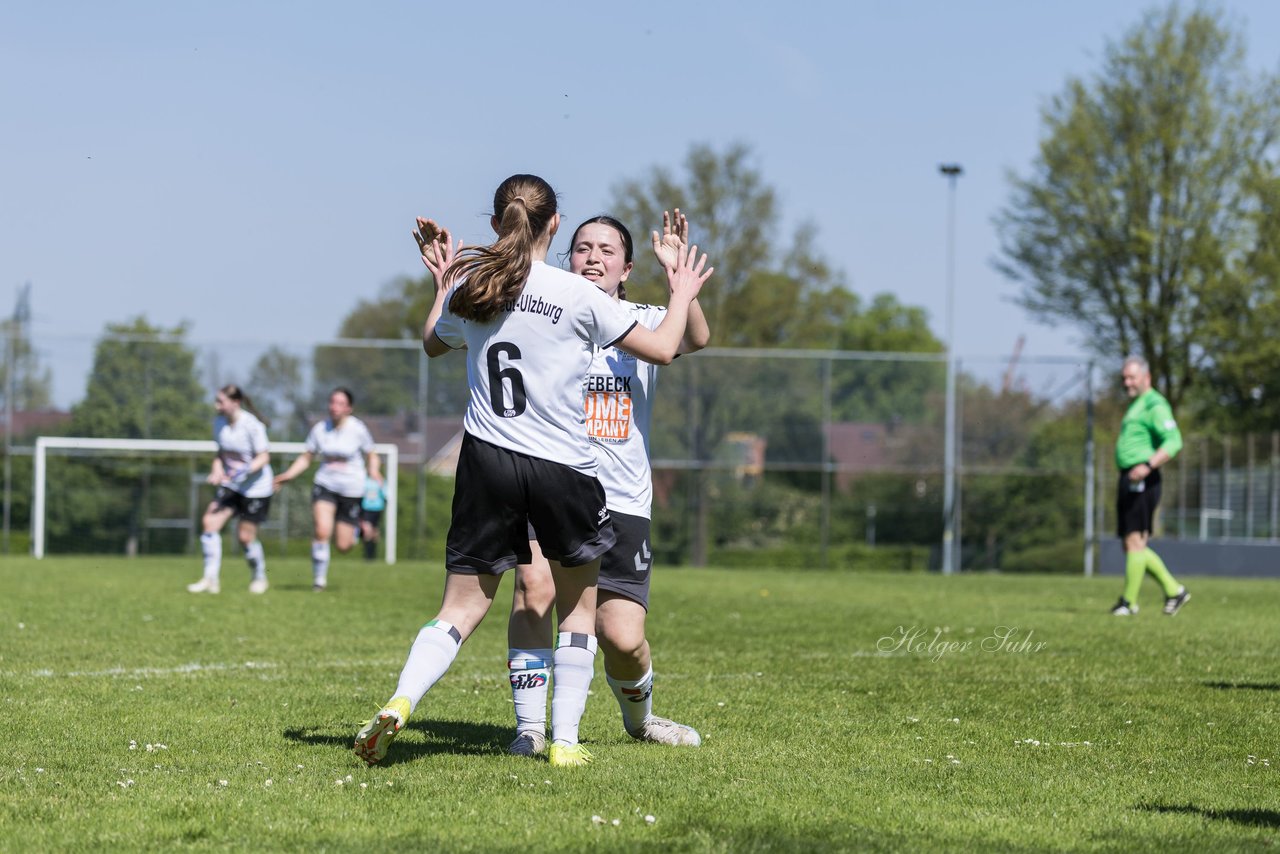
(1064, 556)
(855, 556)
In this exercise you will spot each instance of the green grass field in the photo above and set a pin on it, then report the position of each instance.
(138, 716)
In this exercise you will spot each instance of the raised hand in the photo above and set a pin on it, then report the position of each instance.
(686, 276)
(436, 245)
(675, 234)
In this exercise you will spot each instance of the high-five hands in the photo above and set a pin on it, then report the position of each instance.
(675, 234)
(686, 276)
(437, 248)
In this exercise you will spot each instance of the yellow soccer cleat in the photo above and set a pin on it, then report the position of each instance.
(569, 755)
(376, 735)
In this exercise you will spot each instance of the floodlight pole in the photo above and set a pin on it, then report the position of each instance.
(950, 524)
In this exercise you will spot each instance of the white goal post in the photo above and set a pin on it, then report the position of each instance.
(44, 444)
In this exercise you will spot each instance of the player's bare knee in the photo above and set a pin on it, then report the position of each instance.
(621, 642)
(535, 592)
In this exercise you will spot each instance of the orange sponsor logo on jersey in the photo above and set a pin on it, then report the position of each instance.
(608, 416)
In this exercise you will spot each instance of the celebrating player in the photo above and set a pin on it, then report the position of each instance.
(619, 404)
(529, 330)
(343, 444)
(241, 474)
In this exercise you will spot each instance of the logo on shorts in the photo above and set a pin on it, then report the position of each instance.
(528, 680)
(644, 557)
(253, 506)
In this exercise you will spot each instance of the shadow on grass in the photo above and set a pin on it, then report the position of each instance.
(1249, 817)
(1244, 686)
(466, 738)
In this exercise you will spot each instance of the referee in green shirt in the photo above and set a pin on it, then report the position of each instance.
(1149, 438)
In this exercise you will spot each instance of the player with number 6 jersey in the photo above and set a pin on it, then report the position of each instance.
(526, 385)
(529, 331)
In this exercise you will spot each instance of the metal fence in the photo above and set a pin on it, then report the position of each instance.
(791, 457)
(1218, 488)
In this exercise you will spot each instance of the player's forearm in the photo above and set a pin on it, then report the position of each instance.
(296, 468)
(431, 343)
(697, 332)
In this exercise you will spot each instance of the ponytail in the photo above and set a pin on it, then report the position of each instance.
(234, 392)
(489, 278)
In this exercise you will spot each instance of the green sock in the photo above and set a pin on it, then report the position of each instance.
(1135, 566)
(1157, 568)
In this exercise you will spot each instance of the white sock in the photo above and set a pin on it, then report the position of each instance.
(211, 546)
(430, 656)
(635, 698)
(320, 562)
(257, 561)
(575, 658)
(530, 675)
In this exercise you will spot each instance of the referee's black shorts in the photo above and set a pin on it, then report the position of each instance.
(499, 493)
(1136, 503)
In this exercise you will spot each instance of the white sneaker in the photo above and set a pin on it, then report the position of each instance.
(204, 585)
(528, 743)
(258, 585)
(665, 731)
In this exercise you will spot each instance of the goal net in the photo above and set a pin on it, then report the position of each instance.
(135, 496)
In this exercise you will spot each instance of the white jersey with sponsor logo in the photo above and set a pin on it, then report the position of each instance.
(238, 443)
(525, 367)
(619, 405)
(342, 452)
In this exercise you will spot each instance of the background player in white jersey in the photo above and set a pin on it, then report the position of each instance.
(343, 445)
(241, 475)
(618, 406)
(529, 330)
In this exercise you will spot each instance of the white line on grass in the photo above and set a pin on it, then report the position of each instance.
(390, 665)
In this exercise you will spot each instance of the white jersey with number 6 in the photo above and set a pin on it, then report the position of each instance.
(525, 367)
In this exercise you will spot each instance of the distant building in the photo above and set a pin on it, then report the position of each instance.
(35, 423)
(437, 447)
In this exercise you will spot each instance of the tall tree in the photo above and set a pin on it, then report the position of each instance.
(386, 379)
(276, 386)
(768, 292)
(1136, 217)
(1242, 391)
(144, 385)
(763, 295)
(892, 391)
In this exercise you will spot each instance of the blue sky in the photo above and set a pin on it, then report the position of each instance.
(254, 168)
